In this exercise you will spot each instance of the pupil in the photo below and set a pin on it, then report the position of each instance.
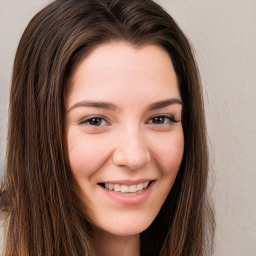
(95, 121)
(159, 120)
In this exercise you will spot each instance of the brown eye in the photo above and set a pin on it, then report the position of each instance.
(95, 121)
(158, 120)
(162, 119)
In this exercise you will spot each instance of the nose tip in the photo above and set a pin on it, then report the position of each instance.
(132, 153)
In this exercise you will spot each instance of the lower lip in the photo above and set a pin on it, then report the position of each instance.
(129, 199)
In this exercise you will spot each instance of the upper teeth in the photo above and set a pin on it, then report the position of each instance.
(126, 188)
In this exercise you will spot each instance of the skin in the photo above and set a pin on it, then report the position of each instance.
(125, 141)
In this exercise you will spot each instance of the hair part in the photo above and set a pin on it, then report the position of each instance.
(45, 215)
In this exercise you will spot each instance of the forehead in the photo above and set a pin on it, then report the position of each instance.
(121, 70)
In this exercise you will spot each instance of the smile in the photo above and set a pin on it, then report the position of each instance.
(129, 193)
(126, 188)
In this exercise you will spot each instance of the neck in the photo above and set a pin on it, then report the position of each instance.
(107, 244)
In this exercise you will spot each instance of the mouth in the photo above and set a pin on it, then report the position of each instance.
(127, 189)
(127, 192)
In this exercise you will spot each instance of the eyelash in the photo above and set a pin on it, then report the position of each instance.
(169, 117)
(87, 120)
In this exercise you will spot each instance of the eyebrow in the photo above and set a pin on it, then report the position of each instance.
(103, 105)
(164, 103)
(111, 106)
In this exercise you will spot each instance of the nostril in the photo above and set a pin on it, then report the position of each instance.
(133, 159)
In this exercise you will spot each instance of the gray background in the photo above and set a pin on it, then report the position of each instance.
(224, 38)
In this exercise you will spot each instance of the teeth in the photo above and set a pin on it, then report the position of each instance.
(110, 186)
(117, 188)
(140, 186)
(133, 188)
(126, 188)
(145, 184)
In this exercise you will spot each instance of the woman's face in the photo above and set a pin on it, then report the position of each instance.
(123, 133)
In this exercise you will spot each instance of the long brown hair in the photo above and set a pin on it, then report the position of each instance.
(44, 215)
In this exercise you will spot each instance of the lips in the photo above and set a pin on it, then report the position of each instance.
(128, 198)
(126, 188)
(130, 193)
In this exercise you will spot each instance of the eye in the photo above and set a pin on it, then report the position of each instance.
(162, 119)
(96, 121)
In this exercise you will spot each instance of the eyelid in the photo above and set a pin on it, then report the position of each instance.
(168, 116)
(85, 120)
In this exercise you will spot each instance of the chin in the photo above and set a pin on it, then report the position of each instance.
(130, 227)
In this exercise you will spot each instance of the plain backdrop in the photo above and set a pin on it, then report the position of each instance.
(223, 34)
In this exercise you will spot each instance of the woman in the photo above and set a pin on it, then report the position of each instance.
(107, 148)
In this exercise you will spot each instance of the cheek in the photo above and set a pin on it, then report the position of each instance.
(85, 153)
(169, 152)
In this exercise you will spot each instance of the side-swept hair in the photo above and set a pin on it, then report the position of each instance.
(44, 215)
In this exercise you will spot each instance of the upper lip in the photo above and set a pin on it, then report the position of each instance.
(127, 182)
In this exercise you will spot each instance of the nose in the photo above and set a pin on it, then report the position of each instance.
(131, 150)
